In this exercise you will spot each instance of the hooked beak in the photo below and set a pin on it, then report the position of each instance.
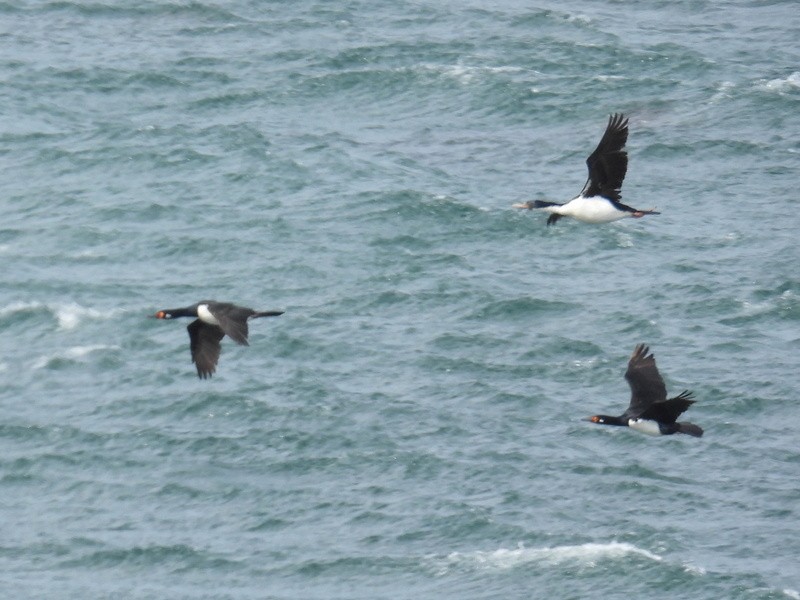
(527, 205)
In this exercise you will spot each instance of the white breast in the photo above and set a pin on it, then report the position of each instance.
(205, 315)
(644, 426)
(595, 209)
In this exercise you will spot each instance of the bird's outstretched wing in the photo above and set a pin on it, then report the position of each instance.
(204, 343)
(608, 164)
(647, 386)
(668, 411)
(233, 320)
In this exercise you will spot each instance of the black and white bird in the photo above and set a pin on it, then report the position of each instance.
(599, 200)
(650, 411)
(214, 320)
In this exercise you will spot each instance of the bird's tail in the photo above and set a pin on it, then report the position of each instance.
(267, 313)
(689, 429)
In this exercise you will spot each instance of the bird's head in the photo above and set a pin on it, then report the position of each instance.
(524, 205)
(596, 419)
(164, 314)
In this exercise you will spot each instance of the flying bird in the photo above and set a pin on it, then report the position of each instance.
(650, 411)
(599, 200)
(214, 321)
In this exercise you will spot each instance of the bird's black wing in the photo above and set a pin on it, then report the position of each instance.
(204, 343)
(608, 164)
(233, 320)
(647, 386)
(668, 411)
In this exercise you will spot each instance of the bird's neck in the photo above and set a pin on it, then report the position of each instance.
(607, 420)
(189, 311)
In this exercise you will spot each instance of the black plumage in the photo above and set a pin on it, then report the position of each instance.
(649, 402)
(214, 321)
(607, 165)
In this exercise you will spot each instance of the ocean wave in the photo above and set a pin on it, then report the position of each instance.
(179, 556)
(722, 91)
(198, 10)
(466, 74)
(69, 315)
(502, 559)
(70, 355)
(778, 304)
(524, 307)
(781, 85)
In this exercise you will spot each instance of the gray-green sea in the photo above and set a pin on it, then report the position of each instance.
(411, 426)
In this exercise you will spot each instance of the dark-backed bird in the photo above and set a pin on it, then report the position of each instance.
(599, 200)
(214, 320)
(650, 411)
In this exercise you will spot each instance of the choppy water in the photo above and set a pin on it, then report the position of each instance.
(410, 428)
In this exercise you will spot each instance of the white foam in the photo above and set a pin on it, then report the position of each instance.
(88, 253)
(785, 300)
(792, 593)
(16, 307)
(624, 240)
(74, 353)
(465, 74)
(694, 570)
(579, 18)
(80, 351)
(781, 85)
(723, 91)
(503, 559)
(589, 362)
(68, 315)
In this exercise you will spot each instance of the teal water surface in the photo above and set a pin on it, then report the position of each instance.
(411, 426)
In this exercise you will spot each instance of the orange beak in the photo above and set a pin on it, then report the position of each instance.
(160, 314)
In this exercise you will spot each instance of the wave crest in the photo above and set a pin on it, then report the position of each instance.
(502, 559)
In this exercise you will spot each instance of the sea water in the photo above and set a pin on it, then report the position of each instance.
(411, 426)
